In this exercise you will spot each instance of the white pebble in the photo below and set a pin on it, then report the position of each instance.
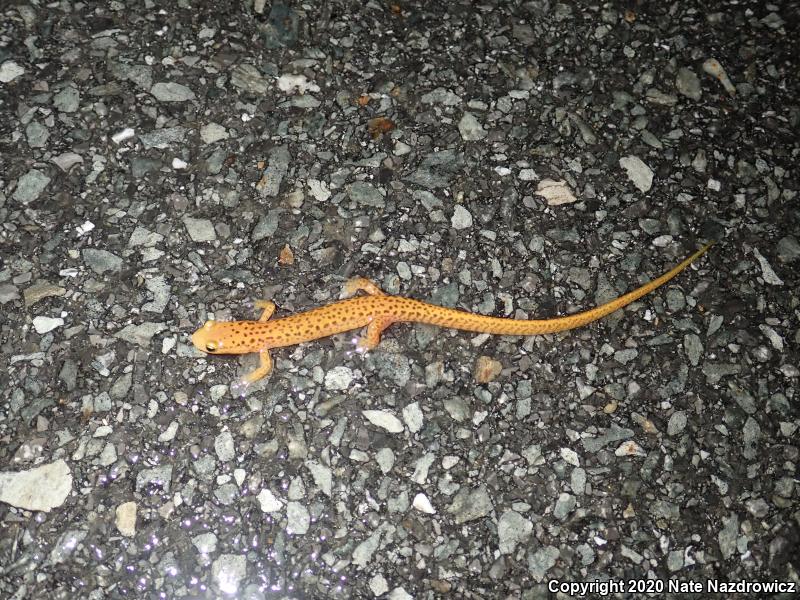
(44, 324)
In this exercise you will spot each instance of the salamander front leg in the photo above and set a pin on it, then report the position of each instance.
(360, 284)
(372, 337)
(264, 369)
(268, 308)
(239, 387)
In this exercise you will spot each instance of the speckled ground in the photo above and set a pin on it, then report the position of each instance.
(163, 162)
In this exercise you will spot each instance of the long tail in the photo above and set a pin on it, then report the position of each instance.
(457, 319)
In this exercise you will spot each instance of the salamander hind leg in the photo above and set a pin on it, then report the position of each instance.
(372, 337)
(360, 284)
(267, 309)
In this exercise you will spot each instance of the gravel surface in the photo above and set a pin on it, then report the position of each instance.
(162, 163)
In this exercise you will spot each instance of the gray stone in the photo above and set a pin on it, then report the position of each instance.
(171, 92)
(200, 230)
(469, 505)
(30, 186)
(101, 261)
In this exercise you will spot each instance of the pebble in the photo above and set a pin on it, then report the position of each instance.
(713, 67)
(323, 477)
(9, 71)
(378, 585)
(413, 417)
(41, 290)
(213, 132)
(200, 230)
(171, 92)
(462, 218)
(298, 519)
(767, 272)
(385, 459)
(160, 476)
(224, 447)
(44, 324)
(41, 488)
(541, 561)
(339, 378)
(366, 194)
(8, 292)
(677, 423)
(228, 571)
(101, 261)
(363, 553)
(126, 519)
(512, 529)
(30, 186)
(638, 172)
(469, 505)
(688, 83)
(268, 502)
(788, 249)
(140, 334)
(470, 128)
(555, 193)
(384, 419)
(206, 543)
(163, 138)
(564, 505)
(422, 504)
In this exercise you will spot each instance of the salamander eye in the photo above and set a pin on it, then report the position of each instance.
(211, 346)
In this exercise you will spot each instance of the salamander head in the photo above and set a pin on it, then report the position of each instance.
(221, 337)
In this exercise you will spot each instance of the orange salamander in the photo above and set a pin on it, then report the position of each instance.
(376, 311)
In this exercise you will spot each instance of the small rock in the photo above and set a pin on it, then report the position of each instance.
(339, 378)
(223, 446)
(384, 419)
(469, 505)
(470, 128)
(713, 67)
(462, 218)
(555, 192)
(101, 261)
(366, 194)
(171, 92)
(363, 553)
(269, 503)
(200, 230)
(512, 529)
(638, 172)
(126, 519)
(677, 423)
(30, 186)
(323, 477)
(228, 571)
(412, 415)
(767, 272)
(39, 291)
(42, 488)
(44, 324)
(541, 561)
(378, 585)
(788, 249)
(213, 132)
(298, 519)
(486, 369)
(8, 292)
(422, 504)
(688, 84)
(140, 334)
(9, 71)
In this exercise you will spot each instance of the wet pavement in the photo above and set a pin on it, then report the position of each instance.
(163, 165)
